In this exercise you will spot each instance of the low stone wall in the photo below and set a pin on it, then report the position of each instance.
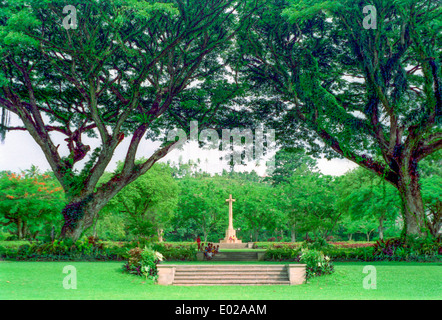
(234, 256)
(295, 272)
(166, 274)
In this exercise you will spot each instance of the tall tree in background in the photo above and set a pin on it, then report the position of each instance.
(30, 202)
(365, 196)
(354, 82)
(287, 161)
(107, 70)
(431, 178)
(257, 208)
(309, 198)
(201, 204)
(148, 202)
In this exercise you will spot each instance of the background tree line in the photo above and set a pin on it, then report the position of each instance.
(181, 202)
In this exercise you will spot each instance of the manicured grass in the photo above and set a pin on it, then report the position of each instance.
(105, 280)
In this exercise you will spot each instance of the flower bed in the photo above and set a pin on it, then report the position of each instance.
(352, 245)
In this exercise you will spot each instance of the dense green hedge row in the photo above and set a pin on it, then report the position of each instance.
(89, 249)
(395, 249)
(172, 252)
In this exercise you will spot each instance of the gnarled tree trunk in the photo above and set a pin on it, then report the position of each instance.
(79, 215)
(412, 203)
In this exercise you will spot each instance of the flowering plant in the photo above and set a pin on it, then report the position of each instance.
(143, 262)
(316, 263)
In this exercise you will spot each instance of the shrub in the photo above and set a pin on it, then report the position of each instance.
(4, 235)
(387, 248)
(84, 249)
(395, 249)
(282, 252)
(317, 244)
(8, 252)
(337, 253)
(183, 252)
(409, 249)
(424, 246)
(143, 262)
(352, 245)
(316, 262)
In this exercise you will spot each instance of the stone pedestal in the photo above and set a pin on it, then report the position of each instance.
(231, 237)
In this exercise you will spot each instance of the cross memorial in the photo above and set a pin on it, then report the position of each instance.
(230, 232)
(230, 201)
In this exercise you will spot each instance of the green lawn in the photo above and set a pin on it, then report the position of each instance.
(104, 280)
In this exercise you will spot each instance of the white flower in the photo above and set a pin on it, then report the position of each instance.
(159, 256)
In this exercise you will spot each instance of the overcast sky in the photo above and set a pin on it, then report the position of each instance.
(20, 151)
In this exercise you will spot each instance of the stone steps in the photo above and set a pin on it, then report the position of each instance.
(232, 245)
(192, 275)
(232, 267)
(233, 256)
(230, 283)
(230, 274)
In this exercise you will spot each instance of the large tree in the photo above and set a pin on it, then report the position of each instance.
(358, 82)
(109, 70)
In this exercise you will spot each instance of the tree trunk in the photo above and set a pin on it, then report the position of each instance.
(52, 233)
(24, 231)
(412, 205)
(19, 229)
(293, 233)
(160, 234)
(381, 228)
(79, 215)
(94, 230)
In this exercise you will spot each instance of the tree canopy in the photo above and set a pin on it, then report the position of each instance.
(370, 92)
(109, 70)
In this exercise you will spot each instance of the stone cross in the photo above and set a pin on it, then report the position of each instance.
(230, 201)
